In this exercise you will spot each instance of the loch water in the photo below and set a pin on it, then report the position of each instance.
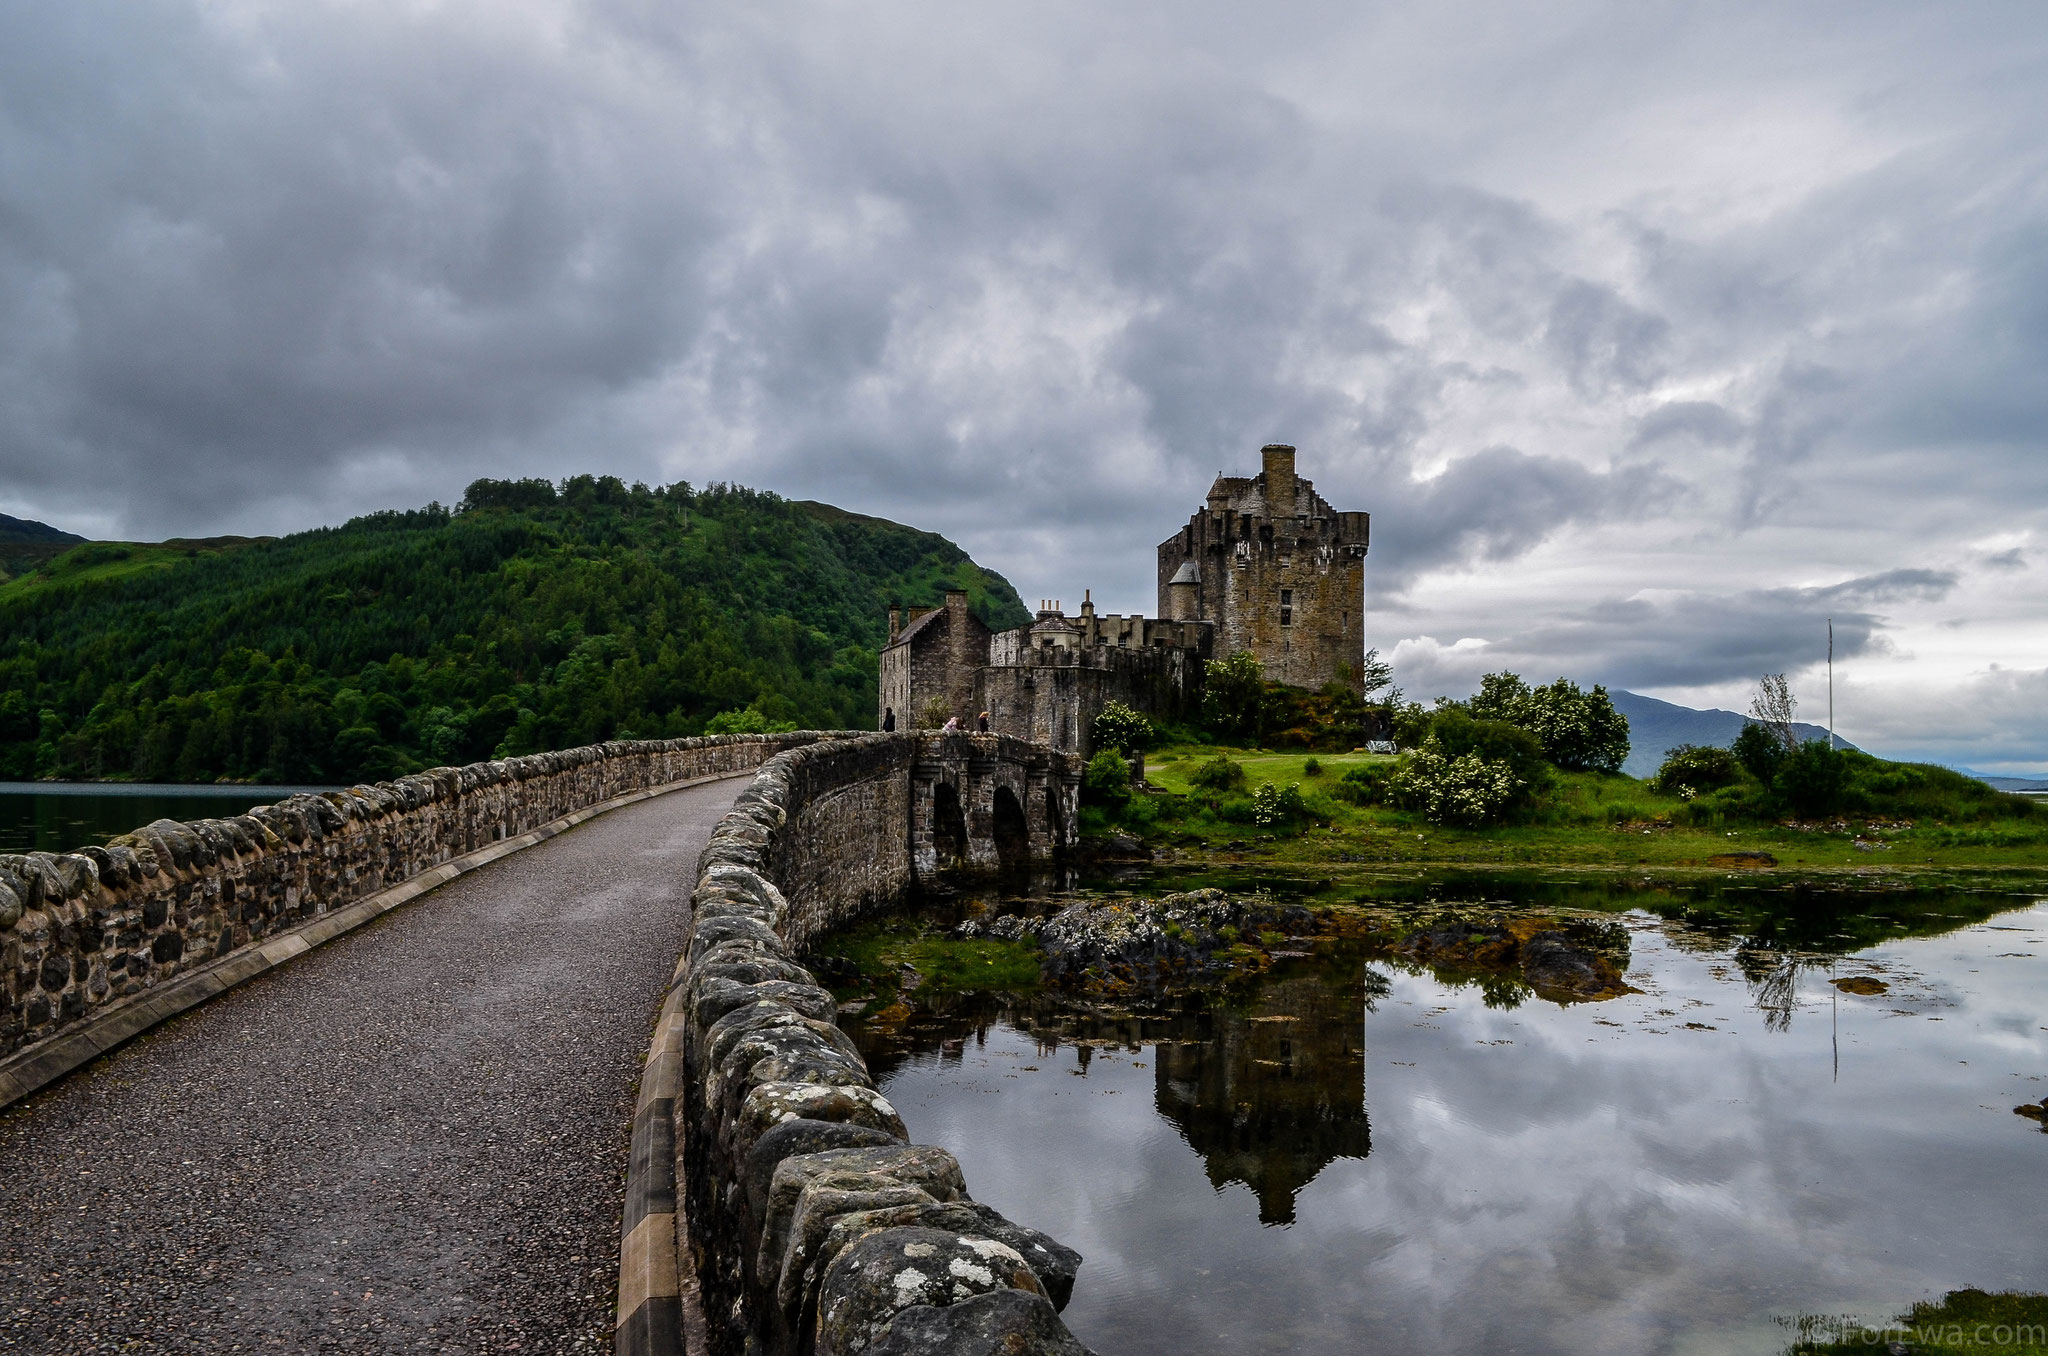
(60, 816)
(1355, 1155)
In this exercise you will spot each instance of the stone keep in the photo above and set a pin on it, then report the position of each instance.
(1277, 571)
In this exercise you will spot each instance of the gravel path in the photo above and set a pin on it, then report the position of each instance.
(411, 1139)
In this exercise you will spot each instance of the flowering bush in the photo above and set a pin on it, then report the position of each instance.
(1467, 789)
(1118, 726)
(1273, 805)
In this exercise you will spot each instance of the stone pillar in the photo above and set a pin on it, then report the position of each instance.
(1036, 817)
(924, 852)
(978, 803)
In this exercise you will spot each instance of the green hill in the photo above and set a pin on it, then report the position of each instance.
(528, 618)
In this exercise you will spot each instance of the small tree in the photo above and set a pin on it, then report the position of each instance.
(1773, 707)
(1376, 680)
(1118, 726)
(1106, 781)
(1759, 749)
(1234, 697)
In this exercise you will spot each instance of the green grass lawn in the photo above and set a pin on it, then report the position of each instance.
(1583, 819)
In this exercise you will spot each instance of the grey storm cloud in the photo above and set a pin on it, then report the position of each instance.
(1513, 281)
(1702, 638)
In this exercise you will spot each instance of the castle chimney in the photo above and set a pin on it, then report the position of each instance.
(1279, 479)
(1087, 602)
(961, 658)
(895, 622)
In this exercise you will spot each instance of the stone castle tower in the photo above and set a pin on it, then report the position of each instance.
(1277, 571)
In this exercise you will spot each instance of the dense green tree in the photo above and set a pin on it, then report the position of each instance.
(1234, 696)
(1579, 730)
(1758, 748)
(530, 617)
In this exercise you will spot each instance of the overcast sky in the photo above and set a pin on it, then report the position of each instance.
(1651, 335)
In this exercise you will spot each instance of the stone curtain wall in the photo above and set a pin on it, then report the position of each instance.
(83, 931)
(814, 1226)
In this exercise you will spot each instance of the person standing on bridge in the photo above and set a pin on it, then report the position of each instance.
(888, 720)
(982, 721)
(952, 725)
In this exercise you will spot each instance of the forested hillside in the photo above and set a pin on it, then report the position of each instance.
(528, 618)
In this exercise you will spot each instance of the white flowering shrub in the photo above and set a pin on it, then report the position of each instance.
(1464, 790)
(1275, 805)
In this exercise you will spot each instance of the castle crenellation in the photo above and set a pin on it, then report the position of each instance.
(1265, 566)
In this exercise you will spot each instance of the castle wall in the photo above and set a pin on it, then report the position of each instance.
(1053, 696)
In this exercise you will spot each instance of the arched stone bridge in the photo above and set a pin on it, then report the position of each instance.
(976, 803)
(418, 1134)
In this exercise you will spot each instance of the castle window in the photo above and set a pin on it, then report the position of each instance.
(1287, 607)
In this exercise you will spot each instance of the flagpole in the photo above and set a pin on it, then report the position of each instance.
(1831, 684)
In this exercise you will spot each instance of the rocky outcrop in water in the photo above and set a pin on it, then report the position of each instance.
(1567, 961)
(1126, 946)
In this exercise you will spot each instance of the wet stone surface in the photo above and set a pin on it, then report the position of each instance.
(412, 1139)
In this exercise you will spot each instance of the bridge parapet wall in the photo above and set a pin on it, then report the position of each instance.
(814, 1226)
(83, 931)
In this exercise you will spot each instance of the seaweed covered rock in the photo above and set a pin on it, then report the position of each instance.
(1116, 947)
(1565, 961)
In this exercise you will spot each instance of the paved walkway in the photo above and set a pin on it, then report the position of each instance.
(412, 1139)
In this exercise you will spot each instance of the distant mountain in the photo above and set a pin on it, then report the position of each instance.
(28, 532)
(1657, 727)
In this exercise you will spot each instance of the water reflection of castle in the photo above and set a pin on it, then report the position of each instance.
(1269, 1097)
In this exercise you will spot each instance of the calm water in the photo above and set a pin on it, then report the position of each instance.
(54, 817)
(1359, 1157)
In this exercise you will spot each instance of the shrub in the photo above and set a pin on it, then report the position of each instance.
(1465, 790)
(1107, 781)
(1693, 769)
(1312, 768)
(1456, 734)
(1274, 805)
(1364, 785)
(1218, 774)
(1813, 779)
(1118, 726)
(1742, 803)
